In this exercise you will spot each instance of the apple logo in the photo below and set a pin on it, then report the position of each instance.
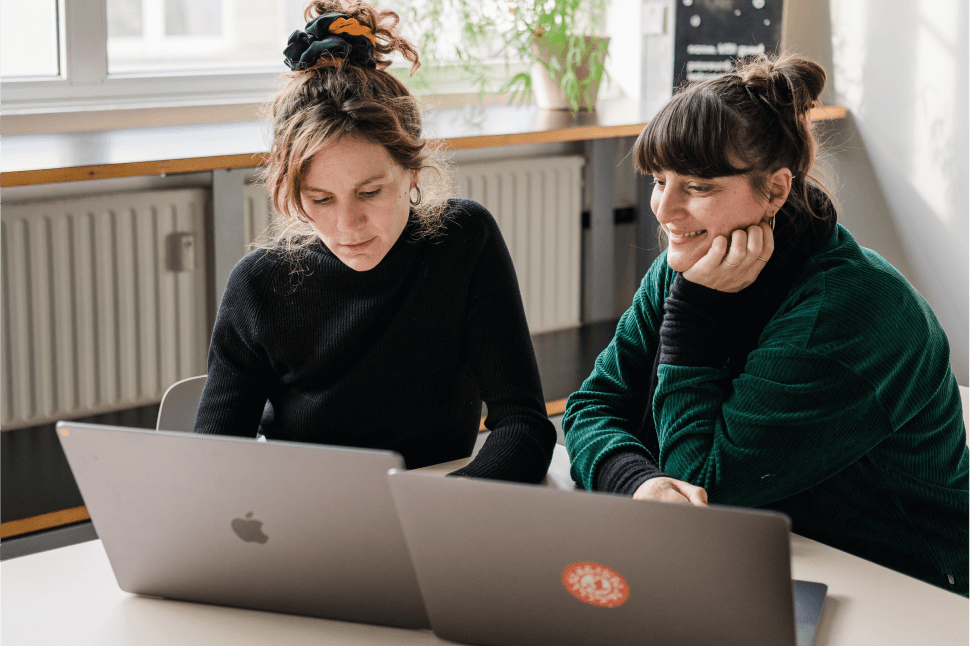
(250, 531)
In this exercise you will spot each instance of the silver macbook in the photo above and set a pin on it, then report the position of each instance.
(279, 526)
(514, 565)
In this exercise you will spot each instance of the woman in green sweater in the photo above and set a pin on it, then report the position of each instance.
(767, 359)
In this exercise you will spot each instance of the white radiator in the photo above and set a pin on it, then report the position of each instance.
(538, 206)
(104, 297)
(104, 302)
(257, 216)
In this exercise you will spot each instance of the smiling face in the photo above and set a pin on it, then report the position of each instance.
(694, 211)
(356, 197)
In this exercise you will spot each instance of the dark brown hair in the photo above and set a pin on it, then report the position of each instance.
(323, 104)
(752, 121)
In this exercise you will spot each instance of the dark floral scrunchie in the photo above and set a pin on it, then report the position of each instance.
(330, 38)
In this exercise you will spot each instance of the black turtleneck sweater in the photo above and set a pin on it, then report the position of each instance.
(397, 358)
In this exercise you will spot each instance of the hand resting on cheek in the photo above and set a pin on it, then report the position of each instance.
(730, 266)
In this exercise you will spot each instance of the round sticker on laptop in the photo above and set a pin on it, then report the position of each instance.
(596, 584)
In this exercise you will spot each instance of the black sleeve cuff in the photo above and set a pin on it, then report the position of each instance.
(623, 471)
(692, 332)
(505, 457)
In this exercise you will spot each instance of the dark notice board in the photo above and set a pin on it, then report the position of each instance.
(711, 34)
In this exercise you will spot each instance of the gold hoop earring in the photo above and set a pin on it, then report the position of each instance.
(415, 202)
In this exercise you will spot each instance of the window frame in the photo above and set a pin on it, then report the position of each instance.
(84, 82)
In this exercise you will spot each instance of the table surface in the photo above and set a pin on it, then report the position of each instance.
(69, 596)
(47, 158)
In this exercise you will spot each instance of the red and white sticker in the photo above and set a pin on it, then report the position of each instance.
(596, 584)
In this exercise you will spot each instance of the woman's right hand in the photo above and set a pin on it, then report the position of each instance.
(670, 490)
(734, 261)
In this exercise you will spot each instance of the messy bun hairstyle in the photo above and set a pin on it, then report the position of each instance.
(338, 98)
(750, 121)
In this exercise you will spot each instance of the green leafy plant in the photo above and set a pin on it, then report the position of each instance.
(519, 33)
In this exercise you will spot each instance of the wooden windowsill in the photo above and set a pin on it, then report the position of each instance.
(68, 157)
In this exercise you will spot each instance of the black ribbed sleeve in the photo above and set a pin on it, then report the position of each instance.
(693, 332)
(622, 472)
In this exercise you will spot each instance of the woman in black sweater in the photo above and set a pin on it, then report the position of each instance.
(379, 317)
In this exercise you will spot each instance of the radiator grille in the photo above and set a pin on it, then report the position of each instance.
(257, 216)
(538, 206)
(104, 302)
(104, 297)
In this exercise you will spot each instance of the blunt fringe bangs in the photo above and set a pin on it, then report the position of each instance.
(693, 134)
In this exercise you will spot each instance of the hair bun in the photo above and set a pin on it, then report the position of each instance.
(328, 40)
(370, 34)
(789, 81)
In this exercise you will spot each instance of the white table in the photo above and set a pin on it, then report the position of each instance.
(69, 596)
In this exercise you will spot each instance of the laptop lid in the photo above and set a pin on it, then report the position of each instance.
(279, 526)
(514, 565)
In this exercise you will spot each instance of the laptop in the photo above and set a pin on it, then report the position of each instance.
(279, 526)
(516, 565)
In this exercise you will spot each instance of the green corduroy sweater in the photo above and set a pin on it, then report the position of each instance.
(846, 415)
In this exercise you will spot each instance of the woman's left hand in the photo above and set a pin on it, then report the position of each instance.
(732, 269)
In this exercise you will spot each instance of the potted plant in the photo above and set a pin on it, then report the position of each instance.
(551, 49)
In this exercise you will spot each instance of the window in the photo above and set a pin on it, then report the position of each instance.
(29, 39)
(100, 54)
(153, 36)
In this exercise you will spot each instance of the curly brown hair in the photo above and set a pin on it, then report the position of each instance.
(328, 102)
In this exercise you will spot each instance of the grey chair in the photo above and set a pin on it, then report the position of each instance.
(179, 405)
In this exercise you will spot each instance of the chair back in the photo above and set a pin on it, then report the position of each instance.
(180, 403)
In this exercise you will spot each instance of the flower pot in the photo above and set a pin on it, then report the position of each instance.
(548, 93)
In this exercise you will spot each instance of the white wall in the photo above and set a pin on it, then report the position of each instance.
(900, 67)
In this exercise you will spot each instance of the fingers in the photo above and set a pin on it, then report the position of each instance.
(662, 489)
(756, 240)
(736, 260)
(671, 494)
(749, 252)
(768, 235)
(698, 496)
(671, 490)
(739, 249)
(752, 251)
(748, 245)
(693, 494)
(714, 256)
